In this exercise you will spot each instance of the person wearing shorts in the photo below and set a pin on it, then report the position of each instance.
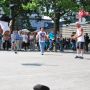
(80, 41)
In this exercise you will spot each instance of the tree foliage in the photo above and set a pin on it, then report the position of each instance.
(53, 8)
(45, 6)
(5, 5)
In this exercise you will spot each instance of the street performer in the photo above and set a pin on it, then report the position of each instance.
(79, 36)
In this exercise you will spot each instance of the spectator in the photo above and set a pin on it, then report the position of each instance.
(51, 40)
(32, 41)
(73, 43)
(61, 44)
(1, 37)
(25, 40)
(86, 37)
(6, 40)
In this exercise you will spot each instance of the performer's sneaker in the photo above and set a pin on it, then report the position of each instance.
(15, 52)
(81, 57)
(76, 56)
(42, 53)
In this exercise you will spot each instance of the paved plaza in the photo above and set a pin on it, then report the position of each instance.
(59, 71)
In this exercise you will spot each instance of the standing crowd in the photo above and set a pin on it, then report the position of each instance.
(18, 40)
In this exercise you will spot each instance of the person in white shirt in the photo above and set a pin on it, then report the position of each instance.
(41, 35)
(32, 41)
(25, 40)
(13, 43)
(80, 40)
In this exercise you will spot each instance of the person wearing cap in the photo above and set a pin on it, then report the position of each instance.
(79, 36)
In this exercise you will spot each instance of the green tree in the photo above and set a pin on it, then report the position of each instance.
(14, 8)
(83, 3)
(5, 5)
(54, 8)
(86, 4)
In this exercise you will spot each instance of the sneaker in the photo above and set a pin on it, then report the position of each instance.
(15, 52)
(81, 57)
(76, 56)
(42, 54)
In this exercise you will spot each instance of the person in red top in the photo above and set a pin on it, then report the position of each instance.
(6, 39)
(82, 13)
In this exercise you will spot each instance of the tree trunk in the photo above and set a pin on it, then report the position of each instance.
(12, 24)
(56, 27)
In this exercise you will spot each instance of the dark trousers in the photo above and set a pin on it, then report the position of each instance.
(6, 45)
(25, 45)
(86, 47)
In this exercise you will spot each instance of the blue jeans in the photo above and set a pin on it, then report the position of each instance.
(0, 44)
(73, 46)
(51, 44)
(42, 47)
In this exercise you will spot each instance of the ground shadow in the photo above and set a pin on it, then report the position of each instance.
(87, 58)
(32, 64)
(37, 64)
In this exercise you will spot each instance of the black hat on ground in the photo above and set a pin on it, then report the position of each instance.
(40, 87)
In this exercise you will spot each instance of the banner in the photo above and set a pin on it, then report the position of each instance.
(4, 26)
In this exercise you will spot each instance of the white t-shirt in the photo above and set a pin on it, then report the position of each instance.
(25, 38)
(81, 38)
(42, 36)
(12, 38)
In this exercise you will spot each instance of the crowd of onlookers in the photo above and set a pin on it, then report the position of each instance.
(19, 40)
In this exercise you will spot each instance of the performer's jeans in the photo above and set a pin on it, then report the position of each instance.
(42, 47)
